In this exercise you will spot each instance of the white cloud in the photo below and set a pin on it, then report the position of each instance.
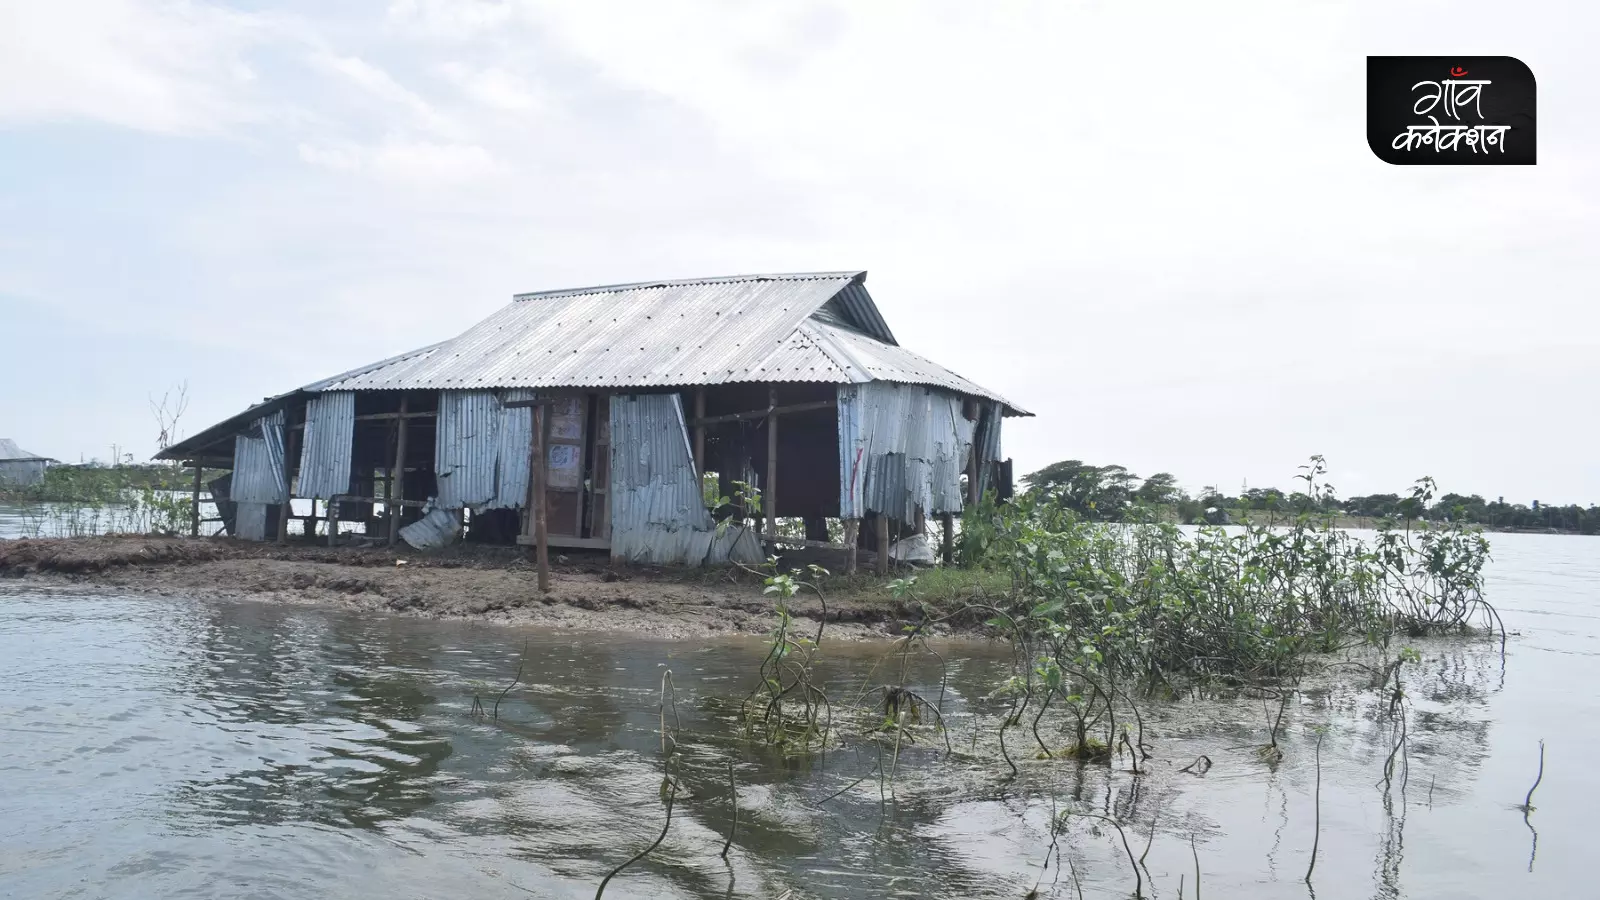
(171, 67)
(399, 159)
(493, 87)
(1074, 204)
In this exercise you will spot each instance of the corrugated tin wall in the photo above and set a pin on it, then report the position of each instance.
(258, 475)
(250, 522)
(900, 447)
(658, 513)
(989, 419)
(516, 440)
(325, 451)
(467, 447)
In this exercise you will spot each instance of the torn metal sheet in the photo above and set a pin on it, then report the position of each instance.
(658, 512)
(439, 528)
(901, 447)
(325, 451)
(258, 475)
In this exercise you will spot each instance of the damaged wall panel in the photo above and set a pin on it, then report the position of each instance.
(258, 475)
(467, 448)
(658, 513)
(325, 452)
(901, 447)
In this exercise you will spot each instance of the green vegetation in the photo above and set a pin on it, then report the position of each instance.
(1113, 494)
(82, 500)
(1103, 615)
(96, 483)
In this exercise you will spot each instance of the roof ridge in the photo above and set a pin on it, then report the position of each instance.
(857, 274)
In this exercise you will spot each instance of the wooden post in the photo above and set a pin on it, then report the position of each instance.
(700, 432)
(947, 543)
(540, 463)
(194, 517)
(397, 476)
(852, 537)
(883, 543)
(285, 508)
(333, 518)
(771, 492)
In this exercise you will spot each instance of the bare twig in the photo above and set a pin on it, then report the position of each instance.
(672, 792)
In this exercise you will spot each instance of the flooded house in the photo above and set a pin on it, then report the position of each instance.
(18, 467)
(646, 416)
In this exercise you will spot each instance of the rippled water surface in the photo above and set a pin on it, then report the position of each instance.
(187, 747)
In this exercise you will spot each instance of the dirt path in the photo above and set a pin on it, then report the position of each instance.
(486, 583)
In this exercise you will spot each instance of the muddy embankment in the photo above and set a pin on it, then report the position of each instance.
(487, 583)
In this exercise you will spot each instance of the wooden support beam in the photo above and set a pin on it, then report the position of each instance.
(699, 432)
(774, 409)
(397, 475)
(194, 515)
(883, 543)
(947, 524)
(770, 492)
(852, 544)
(333, 519)
(385, 417)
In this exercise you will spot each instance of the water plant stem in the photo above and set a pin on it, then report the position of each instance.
(672, 792)
(1527, 803)
(733, 801)
(1316, 828)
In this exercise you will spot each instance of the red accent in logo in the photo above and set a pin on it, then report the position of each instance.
(1457, 72)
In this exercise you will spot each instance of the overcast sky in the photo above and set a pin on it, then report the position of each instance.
(1085, 206)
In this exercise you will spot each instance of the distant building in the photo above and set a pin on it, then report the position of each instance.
(792, 383)
(18, 467)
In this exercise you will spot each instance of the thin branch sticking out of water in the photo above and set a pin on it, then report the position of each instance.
(521, 661)
(671, 792)
(1316, 833)
(1527, 803)
(1138, 880)
(733, 801)
(1196, 866)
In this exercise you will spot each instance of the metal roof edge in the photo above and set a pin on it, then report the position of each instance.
(858, 275)
(227, 428)
(321, 384)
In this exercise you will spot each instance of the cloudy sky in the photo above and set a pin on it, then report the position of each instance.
(1156, 225)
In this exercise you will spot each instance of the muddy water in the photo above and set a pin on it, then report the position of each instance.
(183, 747)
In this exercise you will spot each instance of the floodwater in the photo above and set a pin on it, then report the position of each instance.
(187, 747)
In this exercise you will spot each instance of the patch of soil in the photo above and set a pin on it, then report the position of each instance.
(489, 583)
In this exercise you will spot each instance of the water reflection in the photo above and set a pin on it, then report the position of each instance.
(164, 744)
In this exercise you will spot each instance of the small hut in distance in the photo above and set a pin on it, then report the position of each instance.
(792, 384)
(18, 467)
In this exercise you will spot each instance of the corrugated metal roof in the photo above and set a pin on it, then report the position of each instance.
(706, 332)
(10, 451)
(754, 328)
(865, 359)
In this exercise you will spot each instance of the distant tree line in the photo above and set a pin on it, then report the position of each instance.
(1112, 493)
